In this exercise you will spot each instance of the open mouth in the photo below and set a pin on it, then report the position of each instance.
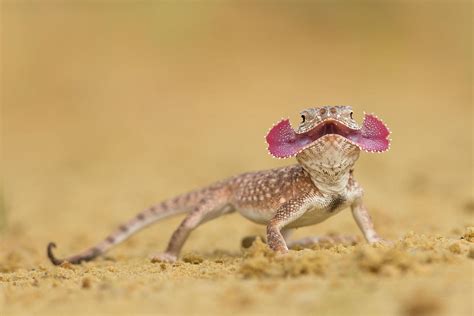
(284, 142)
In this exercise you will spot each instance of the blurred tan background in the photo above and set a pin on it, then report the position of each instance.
(109, 107)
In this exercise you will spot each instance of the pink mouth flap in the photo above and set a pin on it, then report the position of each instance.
(373, 136)
(284, 142)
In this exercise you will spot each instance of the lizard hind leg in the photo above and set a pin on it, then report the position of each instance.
(207, 209)
(308, 242)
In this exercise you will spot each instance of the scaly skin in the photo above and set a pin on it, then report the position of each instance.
(326, 145)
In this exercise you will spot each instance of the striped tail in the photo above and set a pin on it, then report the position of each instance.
(178, 205)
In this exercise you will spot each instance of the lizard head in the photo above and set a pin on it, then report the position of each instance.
(316, 123)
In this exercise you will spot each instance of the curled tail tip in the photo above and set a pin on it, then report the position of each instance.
(51, 256)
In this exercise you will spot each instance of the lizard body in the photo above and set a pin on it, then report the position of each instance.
(326, 145)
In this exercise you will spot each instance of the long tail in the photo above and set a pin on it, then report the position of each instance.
(178, 205)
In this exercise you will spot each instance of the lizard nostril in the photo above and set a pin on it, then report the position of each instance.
(322, 111)
(333, 110)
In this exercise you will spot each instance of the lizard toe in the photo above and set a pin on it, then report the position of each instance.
(382, 242)
(163, 257)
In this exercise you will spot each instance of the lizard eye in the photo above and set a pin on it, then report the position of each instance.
(351, 115)
(303, 118)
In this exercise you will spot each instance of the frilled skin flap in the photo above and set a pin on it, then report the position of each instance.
(284, 142)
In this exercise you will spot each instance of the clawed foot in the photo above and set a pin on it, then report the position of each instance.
(381, 241)
(163, 257)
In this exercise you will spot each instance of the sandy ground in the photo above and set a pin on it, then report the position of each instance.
(107, 109)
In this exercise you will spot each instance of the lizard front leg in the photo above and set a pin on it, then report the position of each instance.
(364, 221)
(286, 213)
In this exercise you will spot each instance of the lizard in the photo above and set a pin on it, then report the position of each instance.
(326, 145)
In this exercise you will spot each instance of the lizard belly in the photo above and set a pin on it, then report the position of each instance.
(318, 214)
(258, 216)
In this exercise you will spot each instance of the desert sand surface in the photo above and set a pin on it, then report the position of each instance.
(110, 107)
